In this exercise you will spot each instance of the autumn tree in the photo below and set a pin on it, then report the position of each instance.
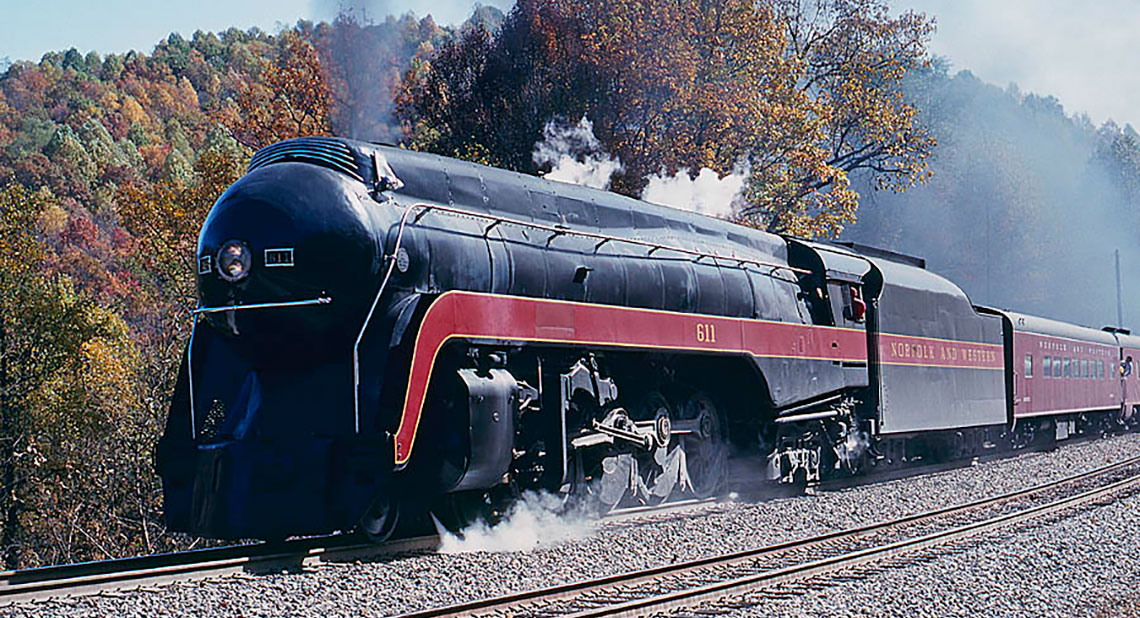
(288, 96)
(485, 95)
(803, 92)
(852, 57)
(66, 369)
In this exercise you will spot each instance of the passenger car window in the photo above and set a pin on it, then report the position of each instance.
(1046, 366)
(1068, 362)
(1084, 368)
(1029, 365)
(1056, 366)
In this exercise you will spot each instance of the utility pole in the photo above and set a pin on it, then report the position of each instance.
(1119, 301)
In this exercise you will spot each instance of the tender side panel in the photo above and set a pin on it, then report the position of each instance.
(941, 363)
(487, 316)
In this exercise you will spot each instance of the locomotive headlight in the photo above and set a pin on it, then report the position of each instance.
(234, 260)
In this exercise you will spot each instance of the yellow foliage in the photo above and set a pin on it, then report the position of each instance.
(133, 112)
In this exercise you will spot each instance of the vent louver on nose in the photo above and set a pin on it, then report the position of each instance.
(324, 152)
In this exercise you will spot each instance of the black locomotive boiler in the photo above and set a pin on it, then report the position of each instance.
(380, 329)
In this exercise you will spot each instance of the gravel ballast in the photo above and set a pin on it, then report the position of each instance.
(1087, 564)
(1082, 565)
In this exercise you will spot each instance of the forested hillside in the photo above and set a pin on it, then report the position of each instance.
(108, 166)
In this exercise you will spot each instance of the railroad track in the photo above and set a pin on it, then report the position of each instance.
(721, 578)
(126, 574)
(87, 578)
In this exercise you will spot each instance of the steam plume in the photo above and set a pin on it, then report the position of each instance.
(442, 11)
(706, 192)
(536, 520)
(575, 155)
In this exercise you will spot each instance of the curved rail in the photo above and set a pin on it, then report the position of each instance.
(620, 585)
(86, 578)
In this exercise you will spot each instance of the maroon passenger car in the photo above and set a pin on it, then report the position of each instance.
(1060, 370)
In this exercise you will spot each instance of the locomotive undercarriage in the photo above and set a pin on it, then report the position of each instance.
(809, 446)
(836, 441)
(598, 430)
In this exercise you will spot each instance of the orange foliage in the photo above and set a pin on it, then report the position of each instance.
(291, 100)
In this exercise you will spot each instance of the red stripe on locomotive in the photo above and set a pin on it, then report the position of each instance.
(476, 315)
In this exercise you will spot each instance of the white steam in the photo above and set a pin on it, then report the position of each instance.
(575, 155)
(536, 520)
(707, 193)
(442, 11)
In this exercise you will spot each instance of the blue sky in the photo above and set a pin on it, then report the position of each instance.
(27, 29)
(1081, 53)
(1084, 53)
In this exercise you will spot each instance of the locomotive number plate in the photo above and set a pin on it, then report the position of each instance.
(706, 333)
(278, 257)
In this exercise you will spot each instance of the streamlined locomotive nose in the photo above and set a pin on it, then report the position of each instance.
(290, 248)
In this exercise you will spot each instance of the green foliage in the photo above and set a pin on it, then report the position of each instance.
(68, 386)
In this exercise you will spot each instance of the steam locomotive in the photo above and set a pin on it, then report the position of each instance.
(380, 330)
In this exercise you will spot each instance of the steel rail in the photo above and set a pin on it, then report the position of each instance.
(573, 590)
(719, 590)
(88, 578)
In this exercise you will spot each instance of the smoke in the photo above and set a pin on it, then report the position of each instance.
(445, 12)
(706, 192)
(1026, 205)
(535, 520)
(371, 49)
(575, 155)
